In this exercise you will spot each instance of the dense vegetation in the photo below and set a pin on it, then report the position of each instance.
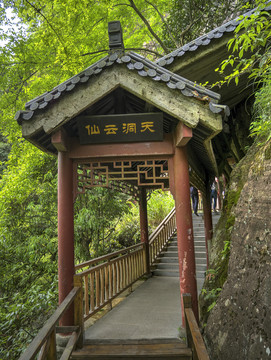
(43, 44)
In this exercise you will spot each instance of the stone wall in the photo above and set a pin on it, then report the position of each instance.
(239, 325)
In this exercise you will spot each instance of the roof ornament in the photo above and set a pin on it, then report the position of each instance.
(115, 38)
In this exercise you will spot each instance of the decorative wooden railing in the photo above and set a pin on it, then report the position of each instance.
(108, 276)
(193, 334)
(44, 344)
(161, 235)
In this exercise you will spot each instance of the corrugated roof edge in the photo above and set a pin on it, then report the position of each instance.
(205, 39)
(133, 61)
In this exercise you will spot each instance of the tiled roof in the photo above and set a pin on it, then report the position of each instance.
(134, 62)
(204, 40)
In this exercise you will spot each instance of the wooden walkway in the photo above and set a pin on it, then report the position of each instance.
(152, 311)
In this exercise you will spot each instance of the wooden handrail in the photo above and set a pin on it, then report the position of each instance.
(194, 338)
(45, 339)
(108, 276)
(106, 257)
(160, 226)
(161, 235)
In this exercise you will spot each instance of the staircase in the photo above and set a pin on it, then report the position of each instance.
(168, 264)
(168, 261)
(200, 249)
(160, 350)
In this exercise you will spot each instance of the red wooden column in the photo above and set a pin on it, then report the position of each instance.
(208, 222)
(65, 232)
(184, 223)
(144, 224)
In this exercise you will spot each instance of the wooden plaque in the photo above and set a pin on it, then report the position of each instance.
(122, 128)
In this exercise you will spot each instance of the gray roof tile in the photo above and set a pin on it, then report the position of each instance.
(205, 39)
(133, 62)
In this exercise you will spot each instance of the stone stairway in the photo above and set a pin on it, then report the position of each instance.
(168, 261)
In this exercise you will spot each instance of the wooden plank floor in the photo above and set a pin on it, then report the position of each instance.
(160, 351)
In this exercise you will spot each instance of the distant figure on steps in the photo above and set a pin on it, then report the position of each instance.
(214, 195)
(195, 199)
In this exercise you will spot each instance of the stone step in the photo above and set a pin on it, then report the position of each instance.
(170, 273)
(172, 266)
(200, 275)
(172, 248)
(169, 259)
(201, 267)
(200, 255)
(201, 261)
(170, 254)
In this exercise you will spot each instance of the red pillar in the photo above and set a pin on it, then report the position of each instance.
(188, 283)
(65, 232)
(144, 224)
(208, 222)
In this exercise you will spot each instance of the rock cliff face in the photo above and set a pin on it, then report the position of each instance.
(239, 325)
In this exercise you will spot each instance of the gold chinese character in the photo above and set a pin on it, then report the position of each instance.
(92, 130)
(147, 126)
(130, 127)
(110, 129)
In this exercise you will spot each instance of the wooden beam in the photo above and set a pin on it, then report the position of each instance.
(182, 134)
(157, 148)
(60, 140)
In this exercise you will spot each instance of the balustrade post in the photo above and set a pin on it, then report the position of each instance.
(184, 223)
(144, 225)
(78, 309)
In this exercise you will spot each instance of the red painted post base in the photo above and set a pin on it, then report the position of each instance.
(188, 283)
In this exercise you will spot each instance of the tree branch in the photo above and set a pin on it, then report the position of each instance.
(148, 26)
(187, 29)
(146, 50)
(134, 49)
(48, 22)
(164, 22)
(95, 52)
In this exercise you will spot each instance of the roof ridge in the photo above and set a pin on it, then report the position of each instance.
(134, 62)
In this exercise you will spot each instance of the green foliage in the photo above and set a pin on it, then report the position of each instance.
(261, 124)
(97, 213)
(28, 247)
(251, 55)
(4, 151)
(127, 231)
(189, 19)
(159, 205)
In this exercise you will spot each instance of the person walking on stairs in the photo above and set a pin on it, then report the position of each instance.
(195, 199)
(214, 195)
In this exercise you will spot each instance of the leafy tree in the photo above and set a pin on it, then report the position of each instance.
(97, 213)
(251, 56)
(48, 42)
(4, 151)
(189, 19)
(28, 248)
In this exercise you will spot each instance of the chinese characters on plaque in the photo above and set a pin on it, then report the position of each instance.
(120, 128)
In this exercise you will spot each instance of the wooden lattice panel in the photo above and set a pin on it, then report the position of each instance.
(125, 176)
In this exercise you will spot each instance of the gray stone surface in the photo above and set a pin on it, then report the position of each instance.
(153, 311)
(239, 326)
